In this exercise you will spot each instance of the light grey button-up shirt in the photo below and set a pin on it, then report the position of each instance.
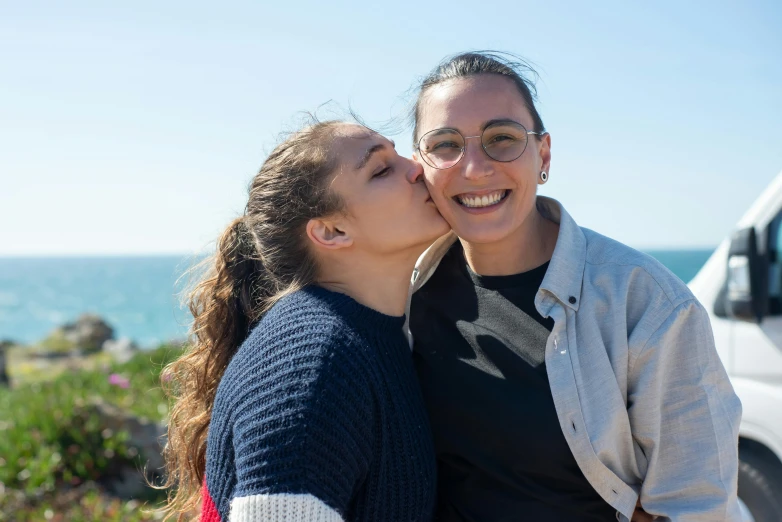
(642, 397)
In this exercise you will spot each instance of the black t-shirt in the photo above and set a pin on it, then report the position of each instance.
(479, 353)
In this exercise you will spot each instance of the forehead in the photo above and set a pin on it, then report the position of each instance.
(352, 133)
(467, 103)
(353, 140)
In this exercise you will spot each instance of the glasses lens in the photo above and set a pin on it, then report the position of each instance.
(441, 148)
(504, 141)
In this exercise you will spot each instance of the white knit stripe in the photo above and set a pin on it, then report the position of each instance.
(282, 507)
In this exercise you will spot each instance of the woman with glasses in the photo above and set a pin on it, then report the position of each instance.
(567, 376)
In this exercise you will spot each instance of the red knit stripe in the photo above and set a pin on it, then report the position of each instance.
(208, 509)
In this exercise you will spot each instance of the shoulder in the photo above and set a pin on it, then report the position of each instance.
(300, 348)
(620, 281)
(310, 309)
(638, 271)
(306, 322)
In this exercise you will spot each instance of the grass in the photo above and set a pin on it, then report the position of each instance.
(84, 504)
(52, 444)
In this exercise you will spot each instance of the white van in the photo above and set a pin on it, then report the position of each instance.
(741, 286)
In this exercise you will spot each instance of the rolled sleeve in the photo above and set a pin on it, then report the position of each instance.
(685, 419)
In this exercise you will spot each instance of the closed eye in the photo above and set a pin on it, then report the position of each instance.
(381, 173)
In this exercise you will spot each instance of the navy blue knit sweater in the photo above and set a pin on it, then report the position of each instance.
(319, 416)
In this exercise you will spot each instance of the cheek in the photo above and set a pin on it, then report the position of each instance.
(524, 174)
(384, 205)
(436, 182)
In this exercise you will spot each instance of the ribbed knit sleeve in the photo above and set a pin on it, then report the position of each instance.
(299, 413)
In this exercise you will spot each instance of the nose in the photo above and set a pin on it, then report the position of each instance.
(416, 172)
(475, 163)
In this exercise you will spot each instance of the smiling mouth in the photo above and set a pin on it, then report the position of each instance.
(482, 200)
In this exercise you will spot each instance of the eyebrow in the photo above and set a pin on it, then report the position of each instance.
(446, 130)
(368, 154)
(499, 120)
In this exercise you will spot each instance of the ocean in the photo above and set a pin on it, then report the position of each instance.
(139, 296)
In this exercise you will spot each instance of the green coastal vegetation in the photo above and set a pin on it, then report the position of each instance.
(79, 431)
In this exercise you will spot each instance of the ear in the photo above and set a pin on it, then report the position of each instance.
(327, 234)
(544, 150)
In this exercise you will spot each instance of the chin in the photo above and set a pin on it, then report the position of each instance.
(482, 235)
(435, 232)
(443, 227)
(428, 232)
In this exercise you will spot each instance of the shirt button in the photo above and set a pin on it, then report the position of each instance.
(572, 300)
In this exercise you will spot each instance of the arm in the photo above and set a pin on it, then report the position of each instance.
(302, 441)
(685, 418)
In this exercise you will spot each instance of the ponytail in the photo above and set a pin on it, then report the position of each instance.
(222, 305)
(259, 258)
(238, 285)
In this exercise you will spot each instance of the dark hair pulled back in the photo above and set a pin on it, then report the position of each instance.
(474, 63)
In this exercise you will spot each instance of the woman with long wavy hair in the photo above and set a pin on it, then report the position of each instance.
(297, 398)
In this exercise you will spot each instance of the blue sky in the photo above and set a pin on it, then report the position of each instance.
(135, 129)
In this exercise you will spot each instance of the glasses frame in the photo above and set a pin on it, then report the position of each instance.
(465, 138)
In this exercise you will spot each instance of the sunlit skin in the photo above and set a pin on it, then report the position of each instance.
(510, 236)
(369, 251)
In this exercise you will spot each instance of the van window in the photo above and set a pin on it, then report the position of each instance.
(775, 266)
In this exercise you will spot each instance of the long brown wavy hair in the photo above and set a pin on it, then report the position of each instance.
(260, 257)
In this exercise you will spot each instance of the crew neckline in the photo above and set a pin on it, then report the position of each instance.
(362, 315)
(499, 282)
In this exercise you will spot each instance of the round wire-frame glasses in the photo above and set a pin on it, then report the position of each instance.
(503, 141)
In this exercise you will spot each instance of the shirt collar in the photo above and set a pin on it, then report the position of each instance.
(566, 270)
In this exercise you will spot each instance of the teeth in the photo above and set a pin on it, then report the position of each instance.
(481, 201)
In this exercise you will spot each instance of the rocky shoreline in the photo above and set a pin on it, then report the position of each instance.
(71, 345)
(88, 334)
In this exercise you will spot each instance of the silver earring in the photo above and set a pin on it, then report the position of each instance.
(543, 176)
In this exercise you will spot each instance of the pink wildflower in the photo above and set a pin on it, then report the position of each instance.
(118, 380)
